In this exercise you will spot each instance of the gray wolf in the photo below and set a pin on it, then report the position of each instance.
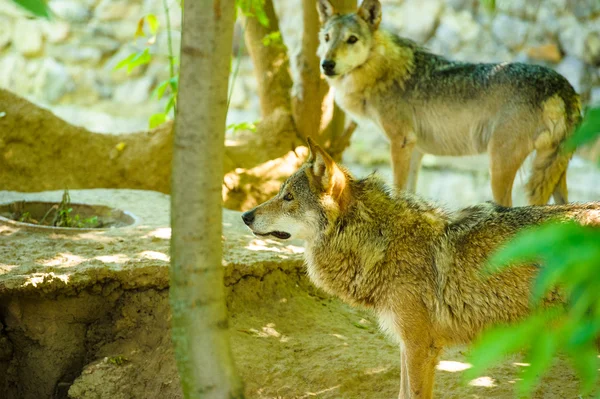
(415, 265)
(426, 103)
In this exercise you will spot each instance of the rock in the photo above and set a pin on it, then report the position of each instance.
(70, 10)
(10, 66)
(573, 69)
(52, 81)
(105, 44)
(75, 54)
(6, 29)
(415, 20)
(592, 48)
(595, 97)
(27, 37)
(519, 9)
(511, 31)
(454, 29)
(12, 10)
(572, 38)
(584, 9)
(133, 91)
(546, 52)
(56, 31)
(461, 4)
(111, 10)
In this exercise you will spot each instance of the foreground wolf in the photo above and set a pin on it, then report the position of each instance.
(417, 266)
(427, 104)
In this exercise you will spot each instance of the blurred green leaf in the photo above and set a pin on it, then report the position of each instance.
(234, 127)
(171, 104)
(253, 8)
(36, 7)
(500, 341)
(153, 23)
(489, 5)
(157, 120)
(539, 358)
(587, 131)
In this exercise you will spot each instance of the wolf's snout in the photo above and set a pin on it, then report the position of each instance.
(248, 217)
(328, 66)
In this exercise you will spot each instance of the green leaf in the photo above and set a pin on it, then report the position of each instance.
(497, 343)
(157, 120)
(125, 61)
(153, 23)
(587, 131)
(36, 7)
(141, 58)
(171, 104)
(160, 89)
(585, 363)
(539, 358)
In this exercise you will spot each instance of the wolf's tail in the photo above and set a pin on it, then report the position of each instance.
(549, 174)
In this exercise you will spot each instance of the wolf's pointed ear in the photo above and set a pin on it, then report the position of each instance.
(325, 10)
(370, 11)
(325, 171)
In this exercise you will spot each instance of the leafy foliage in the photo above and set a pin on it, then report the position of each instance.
(36, 7)
(569, 256)
(149, 27)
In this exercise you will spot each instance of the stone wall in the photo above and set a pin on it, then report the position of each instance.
(68, 63)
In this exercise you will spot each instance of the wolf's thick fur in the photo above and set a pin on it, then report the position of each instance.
(416, 265)
(426, 103)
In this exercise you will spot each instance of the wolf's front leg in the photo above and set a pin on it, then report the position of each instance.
(417, 369)
(402, 150)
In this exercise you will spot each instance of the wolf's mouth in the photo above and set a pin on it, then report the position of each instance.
(282, 235)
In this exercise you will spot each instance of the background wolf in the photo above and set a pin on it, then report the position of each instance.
(427, 104)
(417, 266)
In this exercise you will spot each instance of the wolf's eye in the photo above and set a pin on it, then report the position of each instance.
(288, 197)
(352, 39)
(326, 37)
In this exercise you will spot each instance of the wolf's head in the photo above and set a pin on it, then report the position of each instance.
(306, 201)
(346, 40)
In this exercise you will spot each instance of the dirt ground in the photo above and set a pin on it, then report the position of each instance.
(86, 316)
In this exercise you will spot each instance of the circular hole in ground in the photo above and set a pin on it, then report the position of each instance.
(73, 217)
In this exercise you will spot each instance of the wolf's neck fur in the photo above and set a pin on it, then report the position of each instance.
(350, 258)
(387, 63)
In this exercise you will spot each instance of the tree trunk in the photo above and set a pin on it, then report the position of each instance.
(199, 323)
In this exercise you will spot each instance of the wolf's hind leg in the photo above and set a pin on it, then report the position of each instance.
(561, 194)
(505, 160)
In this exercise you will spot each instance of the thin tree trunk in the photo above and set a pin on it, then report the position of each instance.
(271, 63)
(311, 88)
(199, 323)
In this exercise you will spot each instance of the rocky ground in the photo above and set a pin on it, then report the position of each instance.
(85, 315)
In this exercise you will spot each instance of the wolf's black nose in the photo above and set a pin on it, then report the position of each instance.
(328, 65)
(248, 217)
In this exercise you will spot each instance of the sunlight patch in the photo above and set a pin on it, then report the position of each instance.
(273, 246)
(162, 233)
(40, 278)
(376, 370)
(487, 382)
(154, 255)
(452, 366)
(65, 259)
(311, 394)
(117, 258)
